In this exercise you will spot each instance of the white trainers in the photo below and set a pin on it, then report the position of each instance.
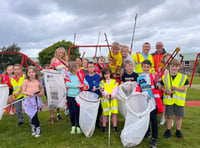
(162, 121)
(33, 130)
(11, 112)
(38, 132)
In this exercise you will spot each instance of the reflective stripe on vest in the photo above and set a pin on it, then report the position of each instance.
(178, 96)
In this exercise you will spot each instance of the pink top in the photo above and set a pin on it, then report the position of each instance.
(32, 86)
(114, 91)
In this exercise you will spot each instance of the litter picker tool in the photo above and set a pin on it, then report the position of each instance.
(133, 34)
(95, 55)
(83, 55)
(111, 62)
(74, 38)
(182, 56)
(109, 121)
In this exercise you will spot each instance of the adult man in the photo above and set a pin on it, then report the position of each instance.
(138, 58)
(160, 51)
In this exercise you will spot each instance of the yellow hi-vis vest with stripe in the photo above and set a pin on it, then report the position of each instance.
(178, 97)
(138, 59)
(105, 101)
(17, 87)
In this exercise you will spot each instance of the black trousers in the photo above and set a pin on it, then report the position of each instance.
(35, 121)
(73, 110)
(154, 124)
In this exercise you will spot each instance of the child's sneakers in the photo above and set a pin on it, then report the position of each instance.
(115, 129)
(38, 132)
(178, 134)
(153, 143)
(167, 133)
(33, 130)
(59, 117)
(11, 112)
(78, 130)
(73, 130)
(20, 123)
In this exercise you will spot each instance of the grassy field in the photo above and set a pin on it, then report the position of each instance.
(193, 92)
(58, 135)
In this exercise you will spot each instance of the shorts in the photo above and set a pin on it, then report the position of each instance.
(175, 110)
(10, 91)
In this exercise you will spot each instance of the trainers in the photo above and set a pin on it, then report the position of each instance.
(73, 131)
(33, 130)
(59, 117)
(178, 134)
(38, 132)
(162, 121)
(67, 112)
(51, 121)
(98, 126)
(147, 135)
(167, 134)
(103, 129)
(116, 130)
(20, 123)
(78, 130)
(11, 112)
(153, 143)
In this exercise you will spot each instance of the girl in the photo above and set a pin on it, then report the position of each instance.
(5, 79)
(85, 65)
(110, 86)
(74, 86)
(32, 87)
(16, 82)
(60, 63)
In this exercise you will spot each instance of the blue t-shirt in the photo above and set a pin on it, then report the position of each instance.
(93, 81)
(145, 56)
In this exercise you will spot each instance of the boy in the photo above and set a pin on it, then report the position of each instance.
(16, 82)
(125, 57)
(115, 59)
(174, 95)
(93, 80)
(129, 74)
(145, 80)
(100, 65)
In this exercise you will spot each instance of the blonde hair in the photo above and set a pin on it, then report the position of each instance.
(65, 54)
(5, 71)
(116, 45)
(72, 65)
(164, 56)
(124, 48)
(36, 73)
(175, 62)
(128, 62)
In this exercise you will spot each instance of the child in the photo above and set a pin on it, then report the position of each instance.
(5, 79)
(100, 65)
(145, 80)
(129, 74)
(93, 80)
(32, 87)
(85, 65)
(125, 57)
(115, 59)
(110, 86)
(74, 86)
(16, 82)
(174, 95)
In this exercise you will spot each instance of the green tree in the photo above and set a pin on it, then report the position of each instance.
(47, 54)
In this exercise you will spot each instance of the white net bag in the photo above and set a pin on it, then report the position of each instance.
(139, 106)
(124, 91)
(4, 91)
(55, 88)
(89, 105)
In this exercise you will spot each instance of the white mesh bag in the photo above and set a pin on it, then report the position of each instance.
(4, 91)
(55, 88)
(89, 105)
(124, 91)
(139, 106)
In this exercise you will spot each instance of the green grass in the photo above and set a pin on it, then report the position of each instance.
(58, 135)
(196, 80)
(193, 92)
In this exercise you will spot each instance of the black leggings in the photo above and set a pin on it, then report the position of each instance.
(73, 110)
(35, 121)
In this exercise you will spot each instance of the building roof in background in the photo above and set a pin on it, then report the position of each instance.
(34, 59)
(187, 56)
(91, 59)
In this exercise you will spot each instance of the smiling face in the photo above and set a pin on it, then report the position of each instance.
(101, 60)
(17, 70)
(159, 47)
(78, 62)
(124, 52)
(9, 70)
(61, 53)
(129, 68)
(31, 74)
(85, 63)
(91, 68)
(115, 50)
(146, 48)
(146, 68)
(174, 69)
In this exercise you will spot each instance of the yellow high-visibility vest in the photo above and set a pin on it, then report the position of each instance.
(105, 101)
(17, 87)
(178, 97)
(138, 59)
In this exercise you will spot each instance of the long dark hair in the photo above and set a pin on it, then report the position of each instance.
(106, 70)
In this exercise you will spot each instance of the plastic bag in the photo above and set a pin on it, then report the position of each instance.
(139, 106)
(89, 105)
(4, 91)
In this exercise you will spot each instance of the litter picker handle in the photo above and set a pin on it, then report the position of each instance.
(111, 62)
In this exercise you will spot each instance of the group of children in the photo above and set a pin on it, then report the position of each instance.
(103, 80)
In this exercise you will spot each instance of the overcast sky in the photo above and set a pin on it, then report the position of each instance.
(37, 24)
